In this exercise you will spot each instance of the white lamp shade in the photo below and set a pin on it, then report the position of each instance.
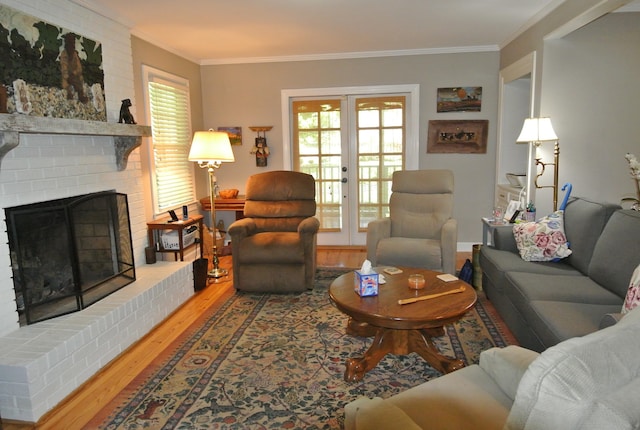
(537, 130)
(211, 146)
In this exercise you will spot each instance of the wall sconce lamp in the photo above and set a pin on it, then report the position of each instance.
(536, 131)
(210, 149)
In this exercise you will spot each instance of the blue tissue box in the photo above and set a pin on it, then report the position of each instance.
(366, 284)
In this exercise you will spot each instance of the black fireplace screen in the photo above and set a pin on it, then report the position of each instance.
(67, 254)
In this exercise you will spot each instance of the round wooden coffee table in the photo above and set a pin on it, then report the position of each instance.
(401, 329)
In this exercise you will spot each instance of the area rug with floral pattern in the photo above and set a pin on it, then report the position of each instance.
(266, 361)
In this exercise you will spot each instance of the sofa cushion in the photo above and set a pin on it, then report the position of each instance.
(427, 252)
(420, 203)
(466, 398)
(282, 185)
(496, 263)
(506, 366)
(554, 322)
(526, 287)
(563, 384)
(558, 307)
(365, 413)
(583, 223)
(543, 240)
(632, 298)
(280, 248)
(616, 253)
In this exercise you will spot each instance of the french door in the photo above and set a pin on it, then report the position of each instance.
(351, 144)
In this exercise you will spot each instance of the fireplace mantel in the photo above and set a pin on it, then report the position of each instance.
(126, 137)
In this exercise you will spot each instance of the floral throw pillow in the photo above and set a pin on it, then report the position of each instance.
(543, 240)
(633, 293)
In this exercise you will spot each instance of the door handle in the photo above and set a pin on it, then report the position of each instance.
(344, 180)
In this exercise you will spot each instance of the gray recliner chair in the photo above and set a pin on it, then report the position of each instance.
(420, 231)
(274, 246)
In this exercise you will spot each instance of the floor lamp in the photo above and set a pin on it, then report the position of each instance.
(536, 131)
(210, 149)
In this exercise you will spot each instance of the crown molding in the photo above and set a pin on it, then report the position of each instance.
(351, 55)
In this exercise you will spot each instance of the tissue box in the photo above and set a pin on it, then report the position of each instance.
(366, 284)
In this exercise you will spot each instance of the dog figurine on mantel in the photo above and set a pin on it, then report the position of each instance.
(125, 115)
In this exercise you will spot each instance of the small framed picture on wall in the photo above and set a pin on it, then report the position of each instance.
(235, 134)
(457, 136)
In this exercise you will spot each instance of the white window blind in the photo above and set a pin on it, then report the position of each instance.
(173, 183)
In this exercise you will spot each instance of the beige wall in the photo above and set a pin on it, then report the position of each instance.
(570, 15)
(586, 81)
(145, 53)
(590, 89)
(249, 94)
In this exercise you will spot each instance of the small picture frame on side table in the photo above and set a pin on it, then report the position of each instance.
(512, 212)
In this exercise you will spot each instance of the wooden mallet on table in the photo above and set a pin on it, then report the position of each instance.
(430, 296)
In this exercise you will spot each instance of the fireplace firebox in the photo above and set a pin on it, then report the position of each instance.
(67, 254)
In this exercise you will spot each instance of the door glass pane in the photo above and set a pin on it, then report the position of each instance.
(308, 142)
(369, 141)
(390, 163)
(316, 131)
(330, 119)
(381, 141)
(331, 142)
(392, 140)
(392, 117)
(321, 145)
(368, 118)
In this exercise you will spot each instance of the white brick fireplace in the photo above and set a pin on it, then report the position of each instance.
(42, 363)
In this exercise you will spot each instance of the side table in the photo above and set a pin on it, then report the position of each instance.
(236, 205)
(156, 227)
(488, 226)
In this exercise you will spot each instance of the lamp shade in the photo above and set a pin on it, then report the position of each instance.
(211, 146)
(537, 130)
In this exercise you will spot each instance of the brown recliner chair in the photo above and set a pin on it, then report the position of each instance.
(420, 231)
(274, 246)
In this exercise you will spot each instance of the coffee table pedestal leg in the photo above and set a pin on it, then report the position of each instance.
(360, 329)
(399, 342)
(421, 342)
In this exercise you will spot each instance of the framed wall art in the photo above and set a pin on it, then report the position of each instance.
(235, 134)
(457, 136)
(460, 99)
(48, 70)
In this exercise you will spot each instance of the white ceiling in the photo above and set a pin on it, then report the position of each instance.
(234, 31)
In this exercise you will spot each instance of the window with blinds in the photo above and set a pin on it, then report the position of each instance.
(169, 109)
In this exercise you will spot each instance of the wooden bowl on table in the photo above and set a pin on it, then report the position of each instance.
(229, 194)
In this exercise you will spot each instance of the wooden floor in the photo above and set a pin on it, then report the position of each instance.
(77, 409)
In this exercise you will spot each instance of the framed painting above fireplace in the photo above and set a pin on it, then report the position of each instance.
(48, 70)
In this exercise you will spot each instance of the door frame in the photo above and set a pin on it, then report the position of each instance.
(524, 67)
(412, 143)
(412, 150)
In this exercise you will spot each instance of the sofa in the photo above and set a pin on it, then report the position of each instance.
(544, 303)
(589, 382)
